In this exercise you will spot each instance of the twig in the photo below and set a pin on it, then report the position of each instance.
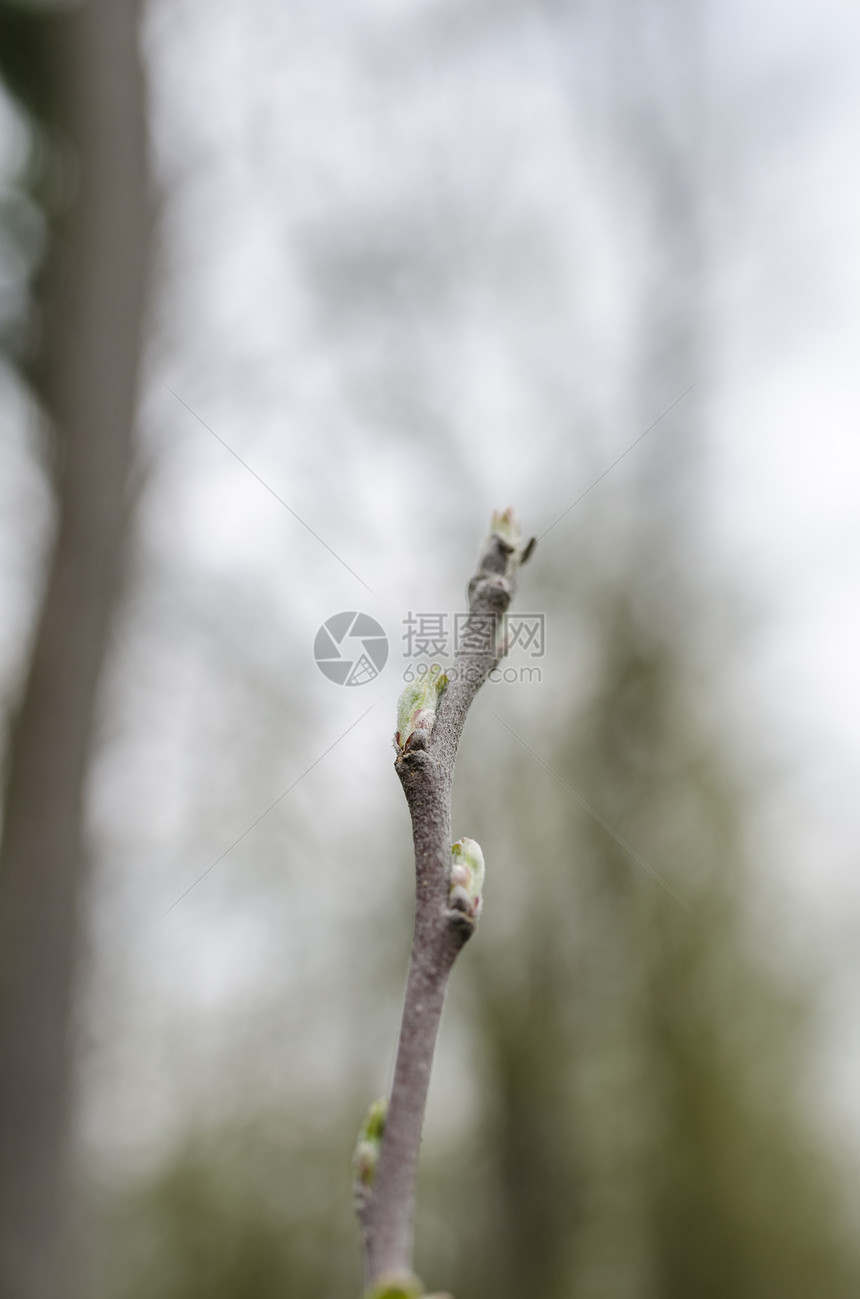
(447, 902)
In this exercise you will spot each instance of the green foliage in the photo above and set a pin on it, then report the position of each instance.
(259, 1211)
(31, 60)
(37, 199)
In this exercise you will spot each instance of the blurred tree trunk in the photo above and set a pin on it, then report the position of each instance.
(88, 370)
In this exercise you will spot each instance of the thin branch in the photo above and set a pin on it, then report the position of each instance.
(444, 918)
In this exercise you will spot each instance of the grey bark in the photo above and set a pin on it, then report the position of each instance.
(91, 356)
(426, 771)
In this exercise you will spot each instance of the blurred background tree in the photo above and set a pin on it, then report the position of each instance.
(77, 225)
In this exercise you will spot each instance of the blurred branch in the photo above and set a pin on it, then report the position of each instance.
(430, 723)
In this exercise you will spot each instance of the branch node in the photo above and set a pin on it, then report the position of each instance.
(494, 589)
(460, 923)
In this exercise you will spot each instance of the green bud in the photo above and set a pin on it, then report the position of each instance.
(505, 524)
(396, 1285)
(416, 709)
(466, 881)
(370, 1136)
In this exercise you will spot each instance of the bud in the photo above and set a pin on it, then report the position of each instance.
(466, 879)
(416, 709)
(370, 1136)
(396, 1285)
(505, 524)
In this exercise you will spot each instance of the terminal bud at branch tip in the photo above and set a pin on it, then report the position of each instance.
(466, 880)
(416, 709)
(505, 524)
(370, 1136)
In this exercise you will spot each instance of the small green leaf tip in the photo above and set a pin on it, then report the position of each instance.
(396, 1285)
(416, 709)
(370, 1135)
(505, 522)
(467, 878)
(506, 525)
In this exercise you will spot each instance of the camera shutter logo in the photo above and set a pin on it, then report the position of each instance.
(351, 648)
